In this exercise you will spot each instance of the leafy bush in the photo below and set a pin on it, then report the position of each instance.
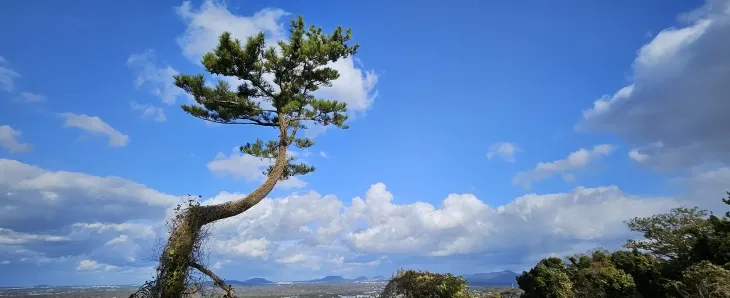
(424, 284)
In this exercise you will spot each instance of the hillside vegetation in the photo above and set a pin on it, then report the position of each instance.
(685, 253)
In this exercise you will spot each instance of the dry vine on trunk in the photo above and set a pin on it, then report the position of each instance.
(286, 103)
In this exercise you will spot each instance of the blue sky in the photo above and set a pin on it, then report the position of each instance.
(485, 135)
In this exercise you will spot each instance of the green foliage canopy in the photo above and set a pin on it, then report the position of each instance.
(424, 284)
(283, 76)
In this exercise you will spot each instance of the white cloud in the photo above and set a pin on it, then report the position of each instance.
(159, 80)
(7, 77)
(311, 231)
(118, 240)
(149, 111)
(355, 86)
(219, 264)
(504, 150)
(249, 168)
(212, 18)
(323, 154)
(9, 140)
(280, 219)
(291, 182)
(237, 247)
(464, 224)
(30, 97)
(77, 197)
(244, 166)
(575, 161)
(8, 237)
(293, 259)
(94, 125)
(56, 216)
(90, 265)
(674, 111)
(314, 131)
(87, 265)
(112, 223)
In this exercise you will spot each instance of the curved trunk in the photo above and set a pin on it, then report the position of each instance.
(177, 256)
(233, 208)
(175, 260)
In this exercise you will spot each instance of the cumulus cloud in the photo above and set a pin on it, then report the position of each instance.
(674, 111)
(7, 76)
(293, 259)
(9, 140)
(158, 80)
(90, 265)
(330, 232)
(315, 232)
(575, 161)
(705, 188)
(503, 150)
(8, 236)
(55, 218)
(281, 219)
(95, 126)
(30, 97)
(34, 199)
(355, 86)
(149, 111)
(212, 18)
(464, 224)
(249, 168)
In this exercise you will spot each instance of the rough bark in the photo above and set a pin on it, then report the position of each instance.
(177, 256)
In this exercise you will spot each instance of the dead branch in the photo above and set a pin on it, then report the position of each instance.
(217, 280)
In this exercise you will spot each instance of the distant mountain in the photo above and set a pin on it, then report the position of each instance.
(502, 278)
(379, 277)
(249, 282)
(329, 279)
(258, 281)
(361, 278)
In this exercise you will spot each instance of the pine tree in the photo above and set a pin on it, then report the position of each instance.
(283, 78)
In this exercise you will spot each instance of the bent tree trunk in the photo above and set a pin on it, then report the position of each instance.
(299, 67)
(177, 256)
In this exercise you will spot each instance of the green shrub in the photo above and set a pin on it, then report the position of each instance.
(424, 284)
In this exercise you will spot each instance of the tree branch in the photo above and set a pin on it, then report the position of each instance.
(232, 208)
(253, 122)
(217, 280)
(237, 103)
(261, 77)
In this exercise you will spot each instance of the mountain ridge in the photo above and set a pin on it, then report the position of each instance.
(502, 278)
